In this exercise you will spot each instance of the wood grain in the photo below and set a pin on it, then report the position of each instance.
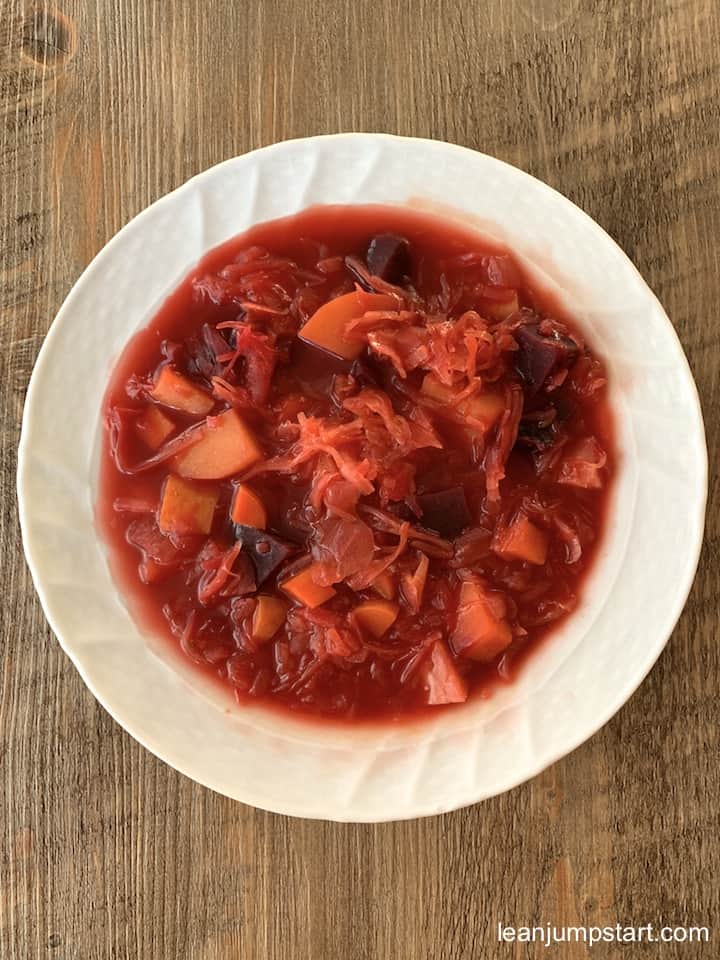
(105, 106)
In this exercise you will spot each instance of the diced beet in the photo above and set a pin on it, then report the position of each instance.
(266, 551)
(173, 352)
(388, 257)
(198, 355)
(359, 272)
(446, 511)
(539, 355)
(214, 340)
(362, 370)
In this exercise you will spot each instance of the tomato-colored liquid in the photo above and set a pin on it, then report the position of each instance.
(557, 470)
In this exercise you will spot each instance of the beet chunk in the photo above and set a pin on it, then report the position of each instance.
(266, 551)
(388, 257)
(446, 512)
(203, 352)
(539, 355)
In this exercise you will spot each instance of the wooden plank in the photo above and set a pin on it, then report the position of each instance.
(104, 851)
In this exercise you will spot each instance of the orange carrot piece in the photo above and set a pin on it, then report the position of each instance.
(326, 327)
(225, 446)
(186, 507)
(302, 587)
(385, 585)
(522, 540)
(268, 617)
(154, 427)
(444, 682)
(247, 508)
(481, 631)
(376, 616)
(175, 390)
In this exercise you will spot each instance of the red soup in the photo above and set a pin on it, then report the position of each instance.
(356, 465)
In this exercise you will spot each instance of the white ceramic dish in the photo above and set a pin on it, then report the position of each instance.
(571, 687)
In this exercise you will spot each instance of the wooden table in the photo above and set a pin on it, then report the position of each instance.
(104, 851)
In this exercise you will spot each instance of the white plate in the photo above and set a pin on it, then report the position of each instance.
(572, 686)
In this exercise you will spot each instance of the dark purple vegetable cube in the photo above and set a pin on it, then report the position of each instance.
(446, 511)
(266, 551)
(201, 353)
(388, 257)
(364, 372)
(538, 355)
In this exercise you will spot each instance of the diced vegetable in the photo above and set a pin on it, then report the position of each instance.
(176, 391)
(154, 427)
(326, 327)
(247, 508)
(481, 630)
(538, 355)
(186, 507)
(376, 616)
(442, 677)
(266, 551)
(487, 407)
(521, 540)
(268, 617)
(385, 585)
(302, 587)
(445, 511)
(225, 447)
(388, 257)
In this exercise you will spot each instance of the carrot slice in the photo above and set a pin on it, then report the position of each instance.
(481, 631)
(186, 507)
(444, 681)
(522, 540)
(326, 327)
(376, 616)
(154, 427)
(302, 587)
(247, 508)
(175, 390)
(268, 617)
(225, 446)
(385, 585)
